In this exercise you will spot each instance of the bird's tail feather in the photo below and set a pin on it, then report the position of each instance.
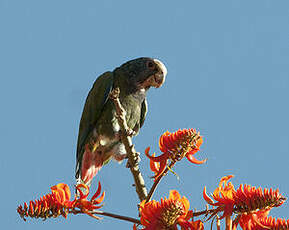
(91, 163)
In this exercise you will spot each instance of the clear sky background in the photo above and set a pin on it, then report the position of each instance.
(228, 76)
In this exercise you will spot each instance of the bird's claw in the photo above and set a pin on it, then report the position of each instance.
(130, 132)
(114, 94)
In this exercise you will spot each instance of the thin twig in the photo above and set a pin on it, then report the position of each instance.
(205, 212)
(131, 152)
(218, 224)
(228, 223)
(157, 181)
(125, 218)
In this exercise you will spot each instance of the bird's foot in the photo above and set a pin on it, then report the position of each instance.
(136, 160)
(130, 132)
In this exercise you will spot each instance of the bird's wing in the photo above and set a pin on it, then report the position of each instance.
(93, 107)
(144, 110)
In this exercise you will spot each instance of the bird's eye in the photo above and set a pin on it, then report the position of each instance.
(150, 65)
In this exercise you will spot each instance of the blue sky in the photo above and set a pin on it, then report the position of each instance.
(228, 77)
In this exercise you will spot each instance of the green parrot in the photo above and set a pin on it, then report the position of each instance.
(99, 131)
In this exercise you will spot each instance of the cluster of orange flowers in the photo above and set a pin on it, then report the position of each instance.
(174, 211)
(58, 203)
(168, 214)
(175, 146)
(249, 204)
(252, 205)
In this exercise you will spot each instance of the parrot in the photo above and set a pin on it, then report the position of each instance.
(99, 136)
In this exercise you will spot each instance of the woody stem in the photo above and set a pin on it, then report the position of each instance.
(116, 216)
(205, 212)
(228, 223)
(129, 147)
(157, 181)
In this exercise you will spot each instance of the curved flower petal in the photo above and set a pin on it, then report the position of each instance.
(97, 193)
(100, 199)
(154, 165)
(162, 168)
(193, 160)
(156, 159)
(166, 141)
(191, 225)
(80, 188)
(63, 190)
(206, 197)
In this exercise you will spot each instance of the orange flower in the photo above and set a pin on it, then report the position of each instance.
(272, 223)
(223, 195)
(253, 220)
(168, 213)
(246, 199)
(259, 220)
(155, 167)
(175, 146)
(85, 205)
(249, 198)
(50, 205)
(58, 203)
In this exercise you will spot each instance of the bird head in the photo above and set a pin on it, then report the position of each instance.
(144, 72)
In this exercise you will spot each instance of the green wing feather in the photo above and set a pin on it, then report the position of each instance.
(144, 110)
(93, 107)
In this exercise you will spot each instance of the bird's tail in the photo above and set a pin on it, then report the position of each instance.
(89, 166)
(87, 174)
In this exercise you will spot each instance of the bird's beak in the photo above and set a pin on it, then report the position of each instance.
(159, 77)
(156, 80)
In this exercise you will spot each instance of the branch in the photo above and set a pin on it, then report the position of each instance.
(126, 218)
(218, 224)
(157, 181)
(205, 212)
(126, 140)
(129, 219)
(228, 223)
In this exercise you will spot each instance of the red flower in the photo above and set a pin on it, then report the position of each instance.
(175, 146)
(249, 198)
(86, 206)
(246, 199)
(50, 205)
(252, 220)
(259, 220)
(168, 213)
(154, 166)
(58, 203)
(272, 223)
(223, 194)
